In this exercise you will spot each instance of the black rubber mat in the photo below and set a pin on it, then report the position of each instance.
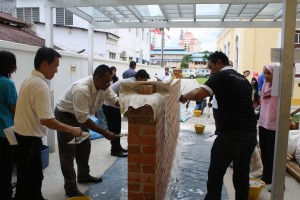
(188, 176)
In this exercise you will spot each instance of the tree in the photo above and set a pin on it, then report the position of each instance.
(206, 55)
(185, 61)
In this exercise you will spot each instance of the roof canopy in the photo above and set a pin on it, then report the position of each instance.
(176, 13)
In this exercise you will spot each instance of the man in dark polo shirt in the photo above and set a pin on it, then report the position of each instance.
(237, 138)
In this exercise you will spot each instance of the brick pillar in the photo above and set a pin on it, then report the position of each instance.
(151, 147)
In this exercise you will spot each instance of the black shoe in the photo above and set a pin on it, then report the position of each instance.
(13, 185)
(90, 179)
(75, 193)
(124, 150)
(119, 153)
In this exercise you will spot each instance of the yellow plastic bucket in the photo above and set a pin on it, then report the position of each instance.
(80, 198)
(199, 128)
(197, 113)
(255, 188)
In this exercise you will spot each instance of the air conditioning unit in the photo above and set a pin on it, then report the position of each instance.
(123, 54)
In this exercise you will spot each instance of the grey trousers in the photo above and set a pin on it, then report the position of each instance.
(67, 153)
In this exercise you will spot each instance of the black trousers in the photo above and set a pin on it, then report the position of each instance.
(27, 156)
(6, 166)
(225, 150)
(113, 117)
(217, 121)
(267, 143)
(67, 153)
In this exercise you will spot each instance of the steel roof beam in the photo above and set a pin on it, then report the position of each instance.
(86, 3)
(227, 9)
(259, 11)
(189, 24)
(135, 13)
(81, 14)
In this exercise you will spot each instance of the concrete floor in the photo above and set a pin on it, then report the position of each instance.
(100, 160)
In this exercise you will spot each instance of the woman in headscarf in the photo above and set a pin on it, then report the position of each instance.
(267, 124)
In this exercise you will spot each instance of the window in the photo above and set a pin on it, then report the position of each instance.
(28, 15)
(297, 38)
(228, 49)
(137, 32)
(112, 55)
(64, 17)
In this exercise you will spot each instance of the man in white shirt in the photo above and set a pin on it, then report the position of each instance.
(33, 113)
(74, 107)
(113, 114)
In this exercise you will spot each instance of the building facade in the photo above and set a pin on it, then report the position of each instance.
(71, 33)
(250, 49)
(189, 43)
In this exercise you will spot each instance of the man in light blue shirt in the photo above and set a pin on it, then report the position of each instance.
(131, 71)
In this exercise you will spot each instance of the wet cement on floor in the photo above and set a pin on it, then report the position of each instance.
(189, 173)
(188, 176)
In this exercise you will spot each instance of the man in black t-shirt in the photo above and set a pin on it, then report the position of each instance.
(237, 138)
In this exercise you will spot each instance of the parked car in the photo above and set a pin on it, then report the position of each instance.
(189, 73)
(203, 73)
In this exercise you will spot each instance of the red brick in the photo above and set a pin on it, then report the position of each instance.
(142, 159)
(135, 196)
(141, 120)
(149, 150)
(134, 149)
(149, 188)
(133, 177)
(134, 129)
(143, 140)
(149, 130)
(147, 178)
(148, 169)
(134, 187)
(149, 196)
(147, 110)
(133, 167)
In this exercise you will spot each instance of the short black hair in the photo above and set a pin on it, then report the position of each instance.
(132, 64)
(246, 71)
(45, 54)
(218, 55)
(113, 68)
(101, 70)
(142, 74)
(7, 63)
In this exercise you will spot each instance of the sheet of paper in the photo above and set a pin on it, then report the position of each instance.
(78, 140)
(10, 135)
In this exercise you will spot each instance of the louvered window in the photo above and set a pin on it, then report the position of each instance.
(28, 15)
(64, 17)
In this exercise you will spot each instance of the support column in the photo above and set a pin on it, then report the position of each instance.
(284, 100)
(49, 43)
(49, 27)
(90, 50)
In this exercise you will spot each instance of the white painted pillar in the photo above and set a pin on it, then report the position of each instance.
(284, 99)
(90, 50)
(49, 43)
(49, 27)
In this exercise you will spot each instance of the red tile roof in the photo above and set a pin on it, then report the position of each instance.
(12, 30)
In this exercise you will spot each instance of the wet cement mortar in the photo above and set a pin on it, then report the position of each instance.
(189, 171)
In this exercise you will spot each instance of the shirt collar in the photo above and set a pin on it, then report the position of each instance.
(226, 68)
(40, 74)
(94, 89)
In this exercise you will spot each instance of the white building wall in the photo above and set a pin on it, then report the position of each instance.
(68, 39)
(64, 78)
(74, 40)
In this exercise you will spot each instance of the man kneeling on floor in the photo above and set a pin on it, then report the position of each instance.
(74, 107)
(113, 114)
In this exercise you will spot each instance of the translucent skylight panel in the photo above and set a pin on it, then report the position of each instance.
(170, 6)
(149, 10)
(210, 9)
(92, 12)
(186, 7)
(271, 9)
